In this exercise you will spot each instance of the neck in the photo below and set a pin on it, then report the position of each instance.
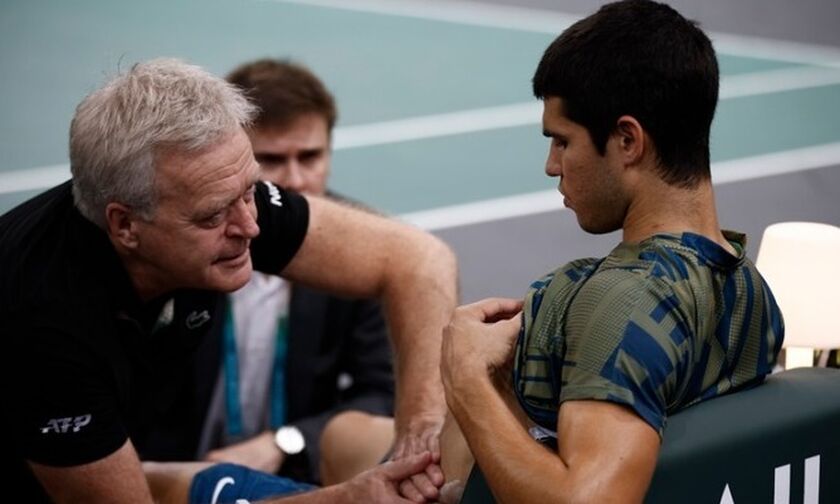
(147, 282)
(662, 208)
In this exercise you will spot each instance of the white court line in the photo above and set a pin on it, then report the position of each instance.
(451, 123)
(505, 116)
(726, 172)
(553, 22)
(776, 81)
(485, 211)
(452, 11)
(523, 114)
(779, 163)
(32, 179)
(469, 121)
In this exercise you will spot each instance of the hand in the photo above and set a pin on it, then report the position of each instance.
(479, 339)
(421, 434)
(379, 485)
(258, 452)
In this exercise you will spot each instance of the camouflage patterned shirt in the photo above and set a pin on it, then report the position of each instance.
(656, 326)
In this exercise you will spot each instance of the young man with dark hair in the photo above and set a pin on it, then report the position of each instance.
(603, 350)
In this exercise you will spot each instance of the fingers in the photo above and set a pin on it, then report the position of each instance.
(397, 470)
(410, 492)
(435, 474)
(409, 445)
(414, 486)
(433, 444)
(493, 309)
(419, 488)
(433, 471)
(511, 324)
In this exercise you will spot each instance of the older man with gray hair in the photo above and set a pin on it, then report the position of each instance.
(110, 280)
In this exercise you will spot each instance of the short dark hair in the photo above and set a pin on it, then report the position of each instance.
(639, 58)
(283, 91)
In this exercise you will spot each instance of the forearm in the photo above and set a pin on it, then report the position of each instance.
(412, 272)
(517, 468)
(418, 305)
(327, 495)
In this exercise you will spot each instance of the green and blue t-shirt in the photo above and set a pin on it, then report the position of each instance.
(657, 326)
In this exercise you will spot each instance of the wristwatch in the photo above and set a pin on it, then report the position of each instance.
(289, 439)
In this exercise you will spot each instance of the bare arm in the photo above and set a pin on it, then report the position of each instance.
(377, 485)
(115, 478)
(172, 480)
(606, 452)
(360, 254)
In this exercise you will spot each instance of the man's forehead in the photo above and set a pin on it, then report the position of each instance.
(554, 113)
(179, 171)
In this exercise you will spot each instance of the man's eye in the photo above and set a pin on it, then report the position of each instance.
(249, 195)
(560, 143)
(308, 158)
(271, 160)
(213, 220)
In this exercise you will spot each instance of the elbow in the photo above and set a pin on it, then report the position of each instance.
(432, 256)
(445, 254)
(446, 263)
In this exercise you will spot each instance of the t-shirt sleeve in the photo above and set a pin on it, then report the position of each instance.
(67, 411)
(283, 218)
(625, 343)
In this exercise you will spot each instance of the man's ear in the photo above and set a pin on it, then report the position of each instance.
(120, 224)
(632, 141)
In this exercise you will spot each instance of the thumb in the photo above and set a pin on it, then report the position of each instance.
(397, 470)
(510, 325)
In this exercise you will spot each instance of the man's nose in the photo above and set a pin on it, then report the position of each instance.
(294, 179)
(243, 220)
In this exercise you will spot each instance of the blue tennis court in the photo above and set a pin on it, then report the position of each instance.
(437, 122)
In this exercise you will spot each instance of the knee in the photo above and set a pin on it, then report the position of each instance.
(353, 441)
(341, 427)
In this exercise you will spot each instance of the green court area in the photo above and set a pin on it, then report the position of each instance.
(433, 113)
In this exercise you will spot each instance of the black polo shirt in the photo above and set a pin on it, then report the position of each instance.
(88, 364)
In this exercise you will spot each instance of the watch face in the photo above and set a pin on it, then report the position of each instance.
(290, 440)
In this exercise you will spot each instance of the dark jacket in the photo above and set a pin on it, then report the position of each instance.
(328, 336)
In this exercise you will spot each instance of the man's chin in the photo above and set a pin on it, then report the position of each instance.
(229, 281)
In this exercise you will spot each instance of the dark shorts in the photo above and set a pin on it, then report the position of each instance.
(228, 483)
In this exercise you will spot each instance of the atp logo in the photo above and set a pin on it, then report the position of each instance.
(66, 424)
(274, 193)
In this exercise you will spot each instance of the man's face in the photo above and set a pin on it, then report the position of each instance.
(590, 183)
(296, 157)
(200, 232)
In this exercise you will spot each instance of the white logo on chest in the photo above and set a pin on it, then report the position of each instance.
(197, 319)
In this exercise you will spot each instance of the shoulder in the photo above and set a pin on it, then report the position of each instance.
(619, 291)
(283, 217)
(629, 310)
(273, 198)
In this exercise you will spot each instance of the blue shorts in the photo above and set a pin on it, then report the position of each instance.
(230, 483)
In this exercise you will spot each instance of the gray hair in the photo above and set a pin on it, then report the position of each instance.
(119, 129)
